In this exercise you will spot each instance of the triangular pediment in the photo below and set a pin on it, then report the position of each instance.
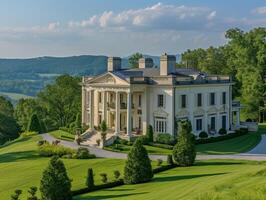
(160, 113)
(108, 79)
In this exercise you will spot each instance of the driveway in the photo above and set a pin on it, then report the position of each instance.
(258, 153)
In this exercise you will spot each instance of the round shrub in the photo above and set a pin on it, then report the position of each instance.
(144, 139)
(222, 131)
(165, 138)
(203, 134)
(138, 165)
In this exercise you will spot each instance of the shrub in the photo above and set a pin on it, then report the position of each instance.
(16, 195)
(138, 166)
(103, 177)
(83, 153)
(90, 179)
(123, 141)
(41, 142)
(98, 141)
(55, 183)
(184, 152)
(170, 160)
(32, 192)
(48, 150)
(150, 133)
(165, 138)
(159, 162)
(116, 174)
(144, 139)
(34, 124)
(203, 134)
(78, 139)
(222, 131)
(243, 130)
(28, 134)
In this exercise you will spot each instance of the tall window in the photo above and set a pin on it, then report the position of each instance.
(183, 101)
(212, 98)
(139, 122)
(198, 124)
(140, 100)
(224, 121)
(213, 125)
(160, 100)
(199, 99)
(224, 98)
(160, 124)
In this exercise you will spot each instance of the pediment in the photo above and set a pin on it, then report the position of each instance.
(223, 108)
(212, 109)
(183, 113)
(160, 113)
(108, 79)
(199, 111)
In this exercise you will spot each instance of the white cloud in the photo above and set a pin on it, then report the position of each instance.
(158, 16)
(259, 10)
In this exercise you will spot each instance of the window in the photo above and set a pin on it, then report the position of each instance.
(198, 124)
(121, 98)
(199, 100)
(224, 98)
(183, 101)
(160, 125)
(100, 97)
(213, 123)
(140, 100)
(212, 98)
(160, 100)
(224, 121)
(139, 122)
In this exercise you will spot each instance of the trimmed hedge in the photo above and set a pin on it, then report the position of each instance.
(222, 137)
(203, 134)
(48, 150)
(163, 146)
(165, 138)
(98, 187)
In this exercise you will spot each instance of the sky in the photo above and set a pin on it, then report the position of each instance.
(33, 28)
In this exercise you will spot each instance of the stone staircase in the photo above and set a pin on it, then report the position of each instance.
(90, 137)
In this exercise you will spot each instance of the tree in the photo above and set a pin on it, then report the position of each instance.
(134, 60)
(55, 183)
(184, 152)
(6, 107)
(78, 121)
(32, 192)
(90, 180)
(34, 124)
(62, 100)
(9, 128)
(138, 165)
(16, 195)
(150, 133)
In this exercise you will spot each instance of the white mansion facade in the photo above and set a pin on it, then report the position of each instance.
(131, 99)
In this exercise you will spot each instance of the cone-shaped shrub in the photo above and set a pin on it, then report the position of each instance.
(150, 133)
(55, 184)
(184, 152)
(138, 165)
(34, 124)
(90, 180)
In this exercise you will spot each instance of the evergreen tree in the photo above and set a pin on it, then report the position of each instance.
(90, 180)
(138, 165)
(32, 191)
(78, 121)
(34, 124)
(55, 183)
(150, 133)
(184, 152)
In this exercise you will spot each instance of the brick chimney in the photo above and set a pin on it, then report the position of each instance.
(167, 64)
(114, 64)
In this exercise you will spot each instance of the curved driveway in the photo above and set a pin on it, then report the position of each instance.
(258, 153)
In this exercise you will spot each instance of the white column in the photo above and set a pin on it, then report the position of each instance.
(91, 109)
(96, 107)
(129, 114)
(104, 106)
(144, 110)
(84, 108)
(117, 114)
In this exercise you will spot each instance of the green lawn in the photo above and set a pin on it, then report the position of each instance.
(62, 135)
(21, 167)
(207, 180)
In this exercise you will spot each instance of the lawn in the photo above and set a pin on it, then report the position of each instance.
(207, 180)
(62, 135)
(21, 167)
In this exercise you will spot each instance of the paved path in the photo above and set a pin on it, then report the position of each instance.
(258, 153)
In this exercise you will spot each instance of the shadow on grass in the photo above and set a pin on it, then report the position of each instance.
(109, 196)
(175, 178)
(15, 141)
(20, 155)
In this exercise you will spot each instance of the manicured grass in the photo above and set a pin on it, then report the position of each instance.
(207, 180)
(21, 167)
(62, 135)
(150, 149)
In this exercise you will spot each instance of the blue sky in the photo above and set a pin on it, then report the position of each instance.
(30, 28)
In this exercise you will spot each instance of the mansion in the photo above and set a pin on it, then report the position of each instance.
(130, 100)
